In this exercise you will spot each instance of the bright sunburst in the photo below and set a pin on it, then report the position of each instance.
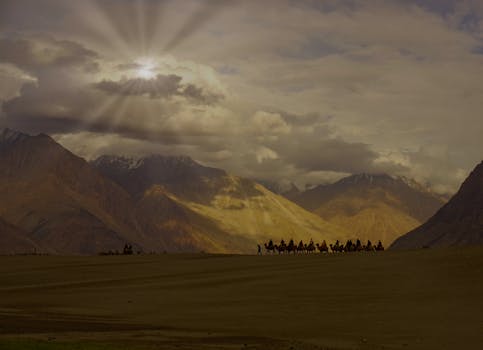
(146, 70)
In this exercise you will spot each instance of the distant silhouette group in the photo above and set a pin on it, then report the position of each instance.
(128, 250)
(337, 247)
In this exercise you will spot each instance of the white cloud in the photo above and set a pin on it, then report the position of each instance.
(265, 153)
(266, 123)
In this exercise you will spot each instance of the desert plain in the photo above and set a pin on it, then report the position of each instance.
(420, 299)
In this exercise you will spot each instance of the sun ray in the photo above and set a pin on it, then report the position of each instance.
(118, 115)
(99, 111)
(140, 7)
(102, 27)
(154, 26)
(205, 11)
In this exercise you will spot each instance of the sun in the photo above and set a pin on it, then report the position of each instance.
(145, 70)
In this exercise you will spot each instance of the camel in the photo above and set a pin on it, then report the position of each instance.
(301, 247)
(310, 247)
(128, 249)
(281, 248)
(332, 248)
(322, 247)
(291, 247)
(349, 246)
(358, 247)
(379, 246)
(269, 247)
(369, 247)
(337, 247)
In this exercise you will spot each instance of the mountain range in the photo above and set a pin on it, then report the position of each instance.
(56, 202)
(60, 202)
(371, 206)
(239, 207)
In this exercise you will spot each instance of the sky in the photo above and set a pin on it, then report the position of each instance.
(299, 91)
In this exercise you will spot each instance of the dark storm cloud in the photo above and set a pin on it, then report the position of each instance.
(51, 109)
(46, 106)
(162, 86)
(39, 52)
(304, 119)
(331, 155)
(197, 93)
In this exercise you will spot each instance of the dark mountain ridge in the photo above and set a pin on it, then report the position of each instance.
(458, 222)
(52, 194)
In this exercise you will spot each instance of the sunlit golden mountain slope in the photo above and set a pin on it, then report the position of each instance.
(246, 212)
(375, 207)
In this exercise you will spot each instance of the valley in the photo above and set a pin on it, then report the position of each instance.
(422, 299)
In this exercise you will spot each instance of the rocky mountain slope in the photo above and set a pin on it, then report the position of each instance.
(372, 206)
(60, 200)
(14, 240)
(239, 207)
(459, 222)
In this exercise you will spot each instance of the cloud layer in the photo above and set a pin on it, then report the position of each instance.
(301, 91)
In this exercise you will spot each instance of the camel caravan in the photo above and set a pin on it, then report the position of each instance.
(337, 247)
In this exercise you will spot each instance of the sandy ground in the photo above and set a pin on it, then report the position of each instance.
(427, 299)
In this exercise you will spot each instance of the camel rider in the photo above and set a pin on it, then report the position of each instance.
(379, 246)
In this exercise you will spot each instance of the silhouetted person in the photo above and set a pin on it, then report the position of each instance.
(127, 249)
(379, 246)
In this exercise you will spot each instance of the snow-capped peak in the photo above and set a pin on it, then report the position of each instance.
(130, 163)
(119, 161)
(9, 136)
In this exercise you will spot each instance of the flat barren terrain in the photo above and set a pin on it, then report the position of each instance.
(425, 299)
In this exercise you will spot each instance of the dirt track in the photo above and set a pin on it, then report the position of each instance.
(428, 299)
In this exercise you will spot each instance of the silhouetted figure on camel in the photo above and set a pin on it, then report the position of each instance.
(379, 246)
(322, 247)
(127, 249)
(310, 247)
(369, 247)
(270, 247)
(349, 246)
(337, 247)
(300, 247)
(282, 247)
(358, 247)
